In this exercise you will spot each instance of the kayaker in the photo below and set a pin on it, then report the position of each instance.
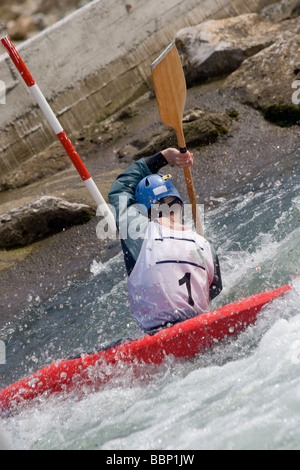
(173, 272)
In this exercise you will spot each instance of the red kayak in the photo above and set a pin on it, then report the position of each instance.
(183, 340)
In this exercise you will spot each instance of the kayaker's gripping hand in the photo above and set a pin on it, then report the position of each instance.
(182, 160)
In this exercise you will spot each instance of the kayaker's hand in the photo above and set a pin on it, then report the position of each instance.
(182, 160)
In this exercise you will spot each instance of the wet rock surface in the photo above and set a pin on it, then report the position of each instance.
(200, 128)
(265, 80)
(260, 56)
(40, 219)
(217, 48)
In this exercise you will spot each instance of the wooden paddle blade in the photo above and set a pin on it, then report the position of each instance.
(171, 92)
(170, 87)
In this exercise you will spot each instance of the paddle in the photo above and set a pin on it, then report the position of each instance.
(170, 89)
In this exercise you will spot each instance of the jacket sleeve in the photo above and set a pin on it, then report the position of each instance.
(216, 286)
(130, 222)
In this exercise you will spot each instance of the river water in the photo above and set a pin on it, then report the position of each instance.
(243, 394)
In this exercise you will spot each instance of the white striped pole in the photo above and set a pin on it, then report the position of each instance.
(103, 208)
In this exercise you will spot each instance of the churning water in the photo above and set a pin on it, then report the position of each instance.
(244, 394)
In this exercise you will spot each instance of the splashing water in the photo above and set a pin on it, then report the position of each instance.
(243, 394)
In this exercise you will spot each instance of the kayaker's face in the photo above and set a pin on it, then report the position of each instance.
(168, 208)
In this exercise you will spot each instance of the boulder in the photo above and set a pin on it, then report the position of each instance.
(39, 219)
(216, 48)
(200, 128)
(258, 56)
(282, 10)
(21, 28)
(267, 80)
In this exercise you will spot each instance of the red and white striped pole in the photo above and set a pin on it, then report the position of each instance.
(60, 133)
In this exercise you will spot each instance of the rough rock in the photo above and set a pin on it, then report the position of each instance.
(21, 28)
(282, 10)
(39, 219)
(26, 18)
(216, 48)
(259, 56)
(44, 164)
(200, 128)
(54, 159)
(266, 81)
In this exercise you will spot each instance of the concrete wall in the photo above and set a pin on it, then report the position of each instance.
(92, 63)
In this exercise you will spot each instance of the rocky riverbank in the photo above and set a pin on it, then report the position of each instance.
(25, 18)
(227, 124)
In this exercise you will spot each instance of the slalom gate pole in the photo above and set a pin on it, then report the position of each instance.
(102, 206)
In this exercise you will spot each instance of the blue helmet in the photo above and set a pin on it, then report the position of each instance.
(153, 188)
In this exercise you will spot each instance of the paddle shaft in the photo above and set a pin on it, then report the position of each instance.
(190, 184)
(59, 131)
(170, 89)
